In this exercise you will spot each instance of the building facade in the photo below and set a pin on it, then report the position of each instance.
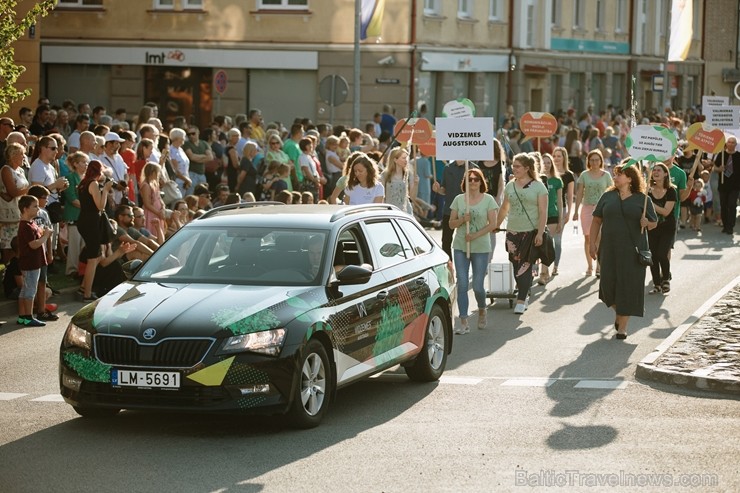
(200, 58)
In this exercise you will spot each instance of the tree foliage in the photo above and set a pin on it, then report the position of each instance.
(11, 30)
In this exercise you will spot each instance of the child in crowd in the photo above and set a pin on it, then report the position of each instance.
(697, 199)
(43, 220)
(307, 198)
(32, 242)
(343, 150)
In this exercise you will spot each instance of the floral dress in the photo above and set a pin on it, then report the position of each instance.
(397, 192)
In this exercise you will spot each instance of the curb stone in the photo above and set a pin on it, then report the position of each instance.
(650, 368)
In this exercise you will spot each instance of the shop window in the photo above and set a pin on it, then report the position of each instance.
(80, 3)
(282, 4)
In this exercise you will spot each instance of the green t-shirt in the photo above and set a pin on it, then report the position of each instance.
(200, 148)
(70, 212)
(554, 185)
(478, 221)
(523, 202)
(594, 189)
(678, 178)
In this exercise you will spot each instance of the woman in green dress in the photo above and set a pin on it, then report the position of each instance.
(619, 218)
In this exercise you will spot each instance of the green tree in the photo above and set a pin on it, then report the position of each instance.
(11, 29)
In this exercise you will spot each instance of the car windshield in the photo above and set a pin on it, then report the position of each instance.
(238, 255)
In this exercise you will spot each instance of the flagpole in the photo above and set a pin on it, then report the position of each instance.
(356, 80)
(666, 84)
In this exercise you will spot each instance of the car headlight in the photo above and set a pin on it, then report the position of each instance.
(75, 336)
(265, 342)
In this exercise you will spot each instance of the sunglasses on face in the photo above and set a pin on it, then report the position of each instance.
(52, 148)
(474, 179)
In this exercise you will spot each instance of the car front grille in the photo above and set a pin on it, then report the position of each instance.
(168, 353)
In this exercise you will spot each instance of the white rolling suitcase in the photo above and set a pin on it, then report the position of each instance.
(501, 282)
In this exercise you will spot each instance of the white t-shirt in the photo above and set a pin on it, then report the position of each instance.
(74, 140)
(118, 166)
(306, 160)
(180, 160)
(360, 195)
(45, 174)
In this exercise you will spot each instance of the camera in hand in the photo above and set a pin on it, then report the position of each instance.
(118, 185)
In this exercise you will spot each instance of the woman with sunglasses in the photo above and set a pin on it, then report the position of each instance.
(473, 216)
(525, 203)
(13, 184)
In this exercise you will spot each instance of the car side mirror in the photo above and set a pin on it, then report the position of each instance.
(354, 274)
(130, 267)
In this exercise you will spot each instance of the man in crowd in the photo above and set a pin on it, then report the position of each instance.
(125, 220)
(82, 123)
(199, 153)
(114, 164)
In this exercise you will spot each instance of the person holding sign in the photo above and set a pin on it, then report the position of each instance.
(620, 217)
(477, 209)
(453, 175)
(729, 185)
(363, 186)
(525, 203)
(665, 199)
(590, 185)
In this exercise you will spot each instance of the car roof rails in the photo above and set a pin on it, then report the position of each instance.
(238, 205)
(356, 209)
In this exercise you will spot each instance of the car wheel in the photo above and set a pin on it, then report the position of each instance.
(314, 388)
(95, 412)
(430, 362)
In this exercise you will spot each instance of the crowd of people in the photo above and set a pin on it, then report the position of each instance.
(114, 188)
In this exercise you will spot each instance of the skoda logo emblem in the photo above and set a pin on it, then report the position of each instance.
(149, 334)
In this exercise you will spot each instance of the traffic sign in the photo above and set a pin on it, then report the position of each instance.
(220, 81)
(333, 90)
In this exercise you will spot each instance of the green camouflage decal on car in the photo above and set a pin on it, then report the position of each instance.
(88, 368)
(390, 330)
(234, 320)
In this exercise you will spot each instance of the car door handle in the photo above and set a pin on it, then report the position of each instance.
(420, 281)
(382, 295)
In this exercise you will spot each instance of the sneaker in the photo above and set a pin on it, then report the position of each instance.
(50, 307)
(23, 320)
(89, 299)
(463, 328)
(520, 308)
(482, 319)
(47, 317)
(666, 286)
(32, 322)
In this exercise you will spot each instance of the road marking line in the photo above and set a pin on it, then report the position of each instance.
(529, 382)
(602, 384)
(9, 396)
(460, 380)
(49, 398)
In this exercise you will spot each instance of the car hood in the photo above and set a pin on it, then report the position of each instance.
(189, 310)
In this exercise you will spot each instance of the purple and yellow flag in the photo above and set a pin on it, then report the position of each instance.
(371, 17)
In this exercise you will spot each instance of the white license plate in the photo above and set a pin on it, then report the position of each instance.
(151, 379)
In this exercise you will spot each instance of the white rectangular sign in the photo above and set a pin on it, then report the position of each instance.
(464, 139)
(724, 117)
(707, 101)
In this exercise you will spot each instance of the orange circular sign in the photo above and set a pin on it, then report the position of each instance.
(429, 148)
(415, 130)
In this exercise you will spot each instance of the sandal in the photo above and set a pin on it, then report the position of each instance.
(656, 290)
(554, 271)
(589, 272)
(666, 286)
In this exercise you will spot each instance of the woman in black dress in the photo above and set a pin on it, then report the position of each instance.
(619, 218)
(92, 223)
(664, 197)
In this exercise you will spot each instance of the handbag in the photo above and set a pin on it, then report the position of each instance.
(546, 251)
(171, 193)
(644, 257)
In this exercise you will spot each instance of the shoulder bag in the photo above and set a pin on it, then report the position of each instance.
(546, 251)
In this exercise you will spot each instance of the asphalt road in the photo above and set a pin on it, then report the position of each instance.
(548, 399)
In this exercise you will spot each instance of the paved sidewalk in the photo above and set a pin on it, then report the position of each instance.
(703, 353)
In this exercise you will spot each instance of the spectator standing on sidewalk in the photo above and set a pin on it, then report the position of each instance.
(32, 242)
(78, 163)
(729, 185)
(199, 153)
(12, 187)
